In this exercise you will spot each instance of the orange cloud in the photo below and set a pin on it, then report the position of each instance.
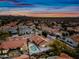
(40, 14)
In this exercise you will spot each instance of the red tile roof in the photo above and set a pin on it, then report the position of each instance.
(39, 40)
(75, 38)
(64, 56)
(19, 41)
(12, 44)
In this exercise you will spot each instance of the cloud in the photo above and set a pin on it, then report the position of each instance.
(69, 9)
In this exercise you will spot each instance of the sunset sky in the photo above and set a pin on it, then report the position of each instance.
(40, 7)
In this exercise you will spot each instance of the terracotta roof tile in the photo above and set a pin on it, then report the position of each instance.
(12, 44)
(75, 38)
(64, 56)
(19, 41)
(39, 40)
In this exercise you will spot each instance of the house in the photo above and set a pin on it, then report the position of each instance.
(70, 42)
(24, 30)
(11, 27)
(64, 56)
(39, 40)
(66, 40)
(54, 35)
(13, 30)
(75, 38)
(11, 47)
(14, 45)
(51, 37)
(35, 49)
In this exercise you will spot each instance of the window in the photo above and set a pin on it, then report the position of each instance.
(69, 42)
(5, 51)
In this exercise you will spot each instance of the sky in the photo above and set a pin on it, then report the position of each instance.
(39, 6)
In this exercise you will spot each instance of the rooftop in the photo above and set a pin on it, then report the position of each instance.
(39, 40)
(75, 38)
(19, 41)
(11, 44)
(64, 56)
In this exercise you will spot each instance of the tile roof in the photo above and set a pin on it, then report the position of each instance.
(39, 40)
(50, 29)
(64, 56)
(19, 41)
(11, 44)
(75, 38)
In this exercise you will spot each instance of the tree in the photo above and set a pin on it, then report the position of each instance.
(58, 47)
(77, 52)
(4, 35)
(44, 33)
